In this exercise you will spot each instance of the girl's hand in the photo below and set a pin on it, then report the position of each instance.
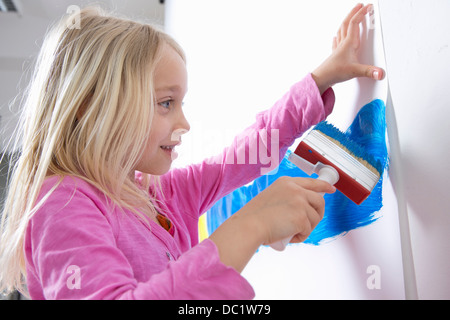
(343, 63)
(290, 207)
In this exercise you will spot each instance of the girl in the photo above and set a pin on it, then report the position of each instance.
(93, 211)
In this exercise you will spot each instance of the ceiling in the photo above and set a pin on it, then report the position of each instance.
(22, 32)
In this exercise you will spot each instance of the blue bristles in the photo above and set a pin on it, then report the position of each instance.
(355, 149)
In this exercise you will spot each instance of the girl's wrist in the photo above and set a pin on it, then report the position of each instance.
(320, 79)
(237, 239)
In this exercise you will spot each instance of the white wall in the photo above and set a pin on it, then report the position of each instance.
(417, 43)
(242, 56)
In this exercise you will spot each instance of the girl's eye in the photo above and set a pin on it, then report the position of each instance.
(166, 104)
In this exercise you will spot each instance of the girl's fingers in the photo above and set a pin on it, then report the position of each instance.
(313, 220)
(317, 203)
(338, 39)
(315, 185)
(353, 26)
(344, 27)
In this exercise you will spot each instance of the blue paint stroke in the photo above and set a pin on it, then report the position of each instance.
(341, 214)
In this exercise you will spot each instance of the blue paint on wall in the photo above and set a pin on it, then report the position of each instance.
(341, 214)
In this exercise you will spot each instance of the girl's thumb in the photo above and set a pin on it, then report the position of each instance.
(370, 72)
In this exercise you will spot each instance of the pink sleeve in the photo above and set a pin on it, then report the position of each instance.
(71, 251)
(256, 151)
(197, 275)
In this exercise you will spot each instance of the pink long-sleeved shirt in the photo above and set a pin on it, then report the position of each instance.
(76, 247)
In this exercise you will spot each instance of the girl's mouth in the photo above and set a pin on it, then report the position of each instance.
(170, 150)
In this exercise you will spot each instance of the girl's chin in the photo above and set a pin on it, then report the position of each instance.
(160, 163)
(155, 170)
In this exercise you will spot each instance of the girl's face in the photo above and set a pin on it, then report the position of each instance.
(169, 122)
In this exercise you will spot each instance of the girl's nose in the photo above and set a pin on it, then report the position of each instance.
(184, 124)
(182, 128)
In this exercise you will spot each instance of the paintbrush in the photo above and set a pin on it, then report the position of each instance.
(338, 160)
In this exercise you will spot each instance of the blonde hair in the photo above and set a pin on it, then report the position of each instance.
(87, 113)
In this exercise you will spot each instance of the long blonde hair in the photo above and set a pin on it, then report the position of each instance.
(87, 113)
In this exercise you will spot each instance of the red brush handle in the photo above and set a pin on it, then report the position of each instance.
(346, 184)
